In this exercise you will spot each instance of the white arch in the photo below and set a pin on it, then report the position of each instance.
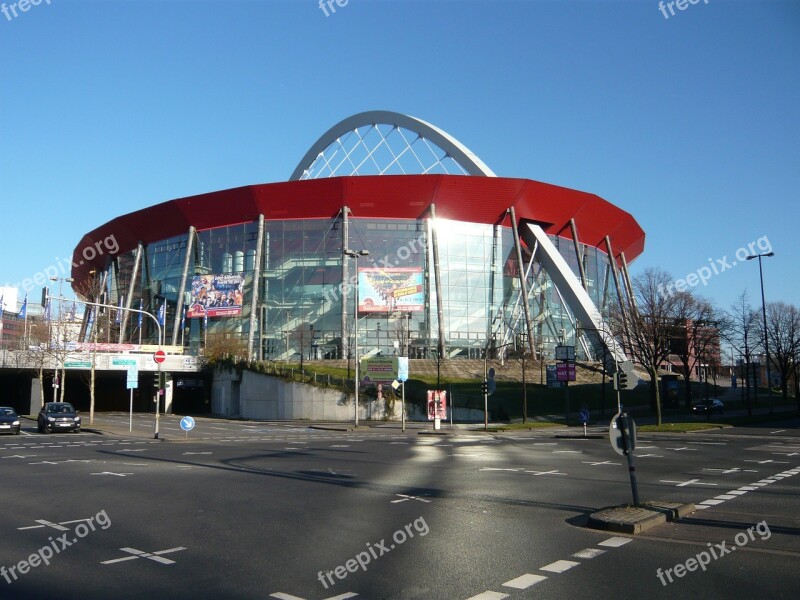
(453, 149)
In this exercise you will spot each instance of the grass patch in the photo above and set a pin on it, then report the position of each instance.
(679, 427)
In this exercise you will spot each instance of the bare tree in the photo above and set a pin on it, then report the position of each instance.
(783, 329)
(652, 316)
(740, 330)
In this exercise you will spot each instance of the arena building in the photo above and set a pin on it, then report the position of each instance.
(386, 218)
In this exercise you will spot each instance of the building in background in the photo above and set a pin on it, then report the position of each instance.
(461, 262)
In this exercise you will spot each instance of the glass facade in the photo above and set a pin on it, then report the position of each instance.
(304, 306)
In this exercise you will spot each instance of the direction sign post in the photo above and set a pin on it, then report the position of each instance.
(402, 376)
(133, 382)
(584, 417)
(159, 357)
(187, 424)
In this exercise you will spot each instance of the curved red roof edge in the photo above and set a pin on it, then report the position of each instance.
(457, 197)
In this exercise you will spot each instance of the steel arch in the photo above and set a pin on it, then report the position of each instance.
(457, 151)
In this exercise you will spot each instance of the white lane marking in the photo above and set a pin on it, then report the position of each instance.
(537, 473)
(769, 460)
(559, 566)
(778, 431)
(589, 553)
(685, 483)
(615, 542)
(110, 473)
(683, 448)
(485, 596)
(712, 502)
(523, 582)
(649, 455)
(747, 488)
(497, 469)
(154, 556)
(567, 452)
(188, 453)
(725, 497)
(605, 462)
(348, 445)
(701, 507)
(404, 498)
(737, 492)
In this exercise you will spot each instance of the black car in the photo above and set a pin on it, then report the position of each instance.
(9, 420)
(708, 407)
(58, 416)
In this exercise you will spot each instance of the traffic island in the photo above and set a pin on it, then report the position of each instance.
(637, 519)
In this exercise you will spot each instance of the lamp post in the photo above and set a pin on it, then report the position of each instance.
(60, 333)
(355, 255)
(764, 315)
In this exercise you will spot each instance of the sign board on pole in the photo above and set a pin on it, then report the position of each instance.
(133, 377)
(402, 368)
(565, 352)
(187, 423)
(565, 371)
(584, 415)
(160, 356)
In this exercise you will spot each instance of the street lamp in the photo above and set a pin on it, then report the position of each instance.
(355, 255)
(60, 333)
(764, 315)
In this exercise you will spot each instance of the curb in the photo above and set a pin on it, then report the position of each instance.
(638, 519)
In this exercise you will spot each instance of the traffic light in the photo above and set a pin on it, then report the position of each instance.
(160, 382)
(485, 387)
(622, 380)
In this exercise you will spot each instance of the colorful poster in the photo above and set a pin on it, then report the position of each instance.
(378, 369)
(216, 296)
(390, 290)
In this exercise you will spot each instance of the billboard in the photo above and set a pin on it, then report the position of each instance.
(216, 295)
(378, 369)
(391, 289)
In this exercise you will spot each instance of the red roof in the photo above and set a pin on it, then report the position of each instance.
(457, 197)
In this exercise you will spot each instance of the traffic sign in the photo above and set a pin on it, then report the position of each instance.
(584, 415)
(402, 368)
(160, 356)
(620, 441)
(187, 423)
(133, 377)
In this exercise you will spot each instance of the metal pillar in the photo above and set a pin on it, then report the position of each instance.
(124, 319)
(440, 347)
(344, 288)
(578, 253)
(256, 288)
(182, 289)
(522, 281)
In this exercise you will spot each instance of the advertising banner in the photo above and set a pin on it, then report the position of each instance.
(216, 295)
(437, 404)
(379, 369)
(391, 289)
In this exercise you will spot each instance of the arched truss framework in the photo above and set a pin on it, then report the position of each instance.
(387, 143)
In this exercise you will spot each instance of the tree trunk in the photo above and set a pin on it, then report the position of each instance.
(655, 392)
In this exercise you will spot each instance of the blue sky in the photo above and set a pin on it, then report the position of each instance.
(689, 123)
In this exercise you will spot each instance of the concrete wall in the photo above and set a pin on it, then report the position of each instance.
(264, 397)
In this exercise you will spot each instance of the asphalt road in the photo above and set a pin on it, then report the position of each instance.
(264, 510)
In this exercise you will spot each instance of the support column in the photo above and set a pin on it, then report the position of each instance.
(627, 279)
(622, 304)
(345, 287)
(578, 253)
(123, 322)
(182, 289)
(256, 289)
(440, 346)
(522, 281)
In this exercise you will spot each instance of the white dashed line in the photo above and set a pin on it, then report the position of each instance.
(524, 581)
(559, 566)
(615, 542)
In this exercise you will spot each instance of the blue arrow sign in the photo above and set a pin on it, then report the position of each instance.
(187, 423)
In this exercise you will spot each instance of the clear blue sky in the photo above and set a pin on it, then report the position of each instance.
(690, 123)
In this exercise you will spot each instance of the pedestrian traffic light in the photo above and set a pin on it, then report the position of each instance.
(160, 382)
(485, 388)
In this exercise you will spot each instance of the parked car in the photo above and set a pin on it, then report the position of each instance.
(707, 407)
(9, 420)
(58, 416)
